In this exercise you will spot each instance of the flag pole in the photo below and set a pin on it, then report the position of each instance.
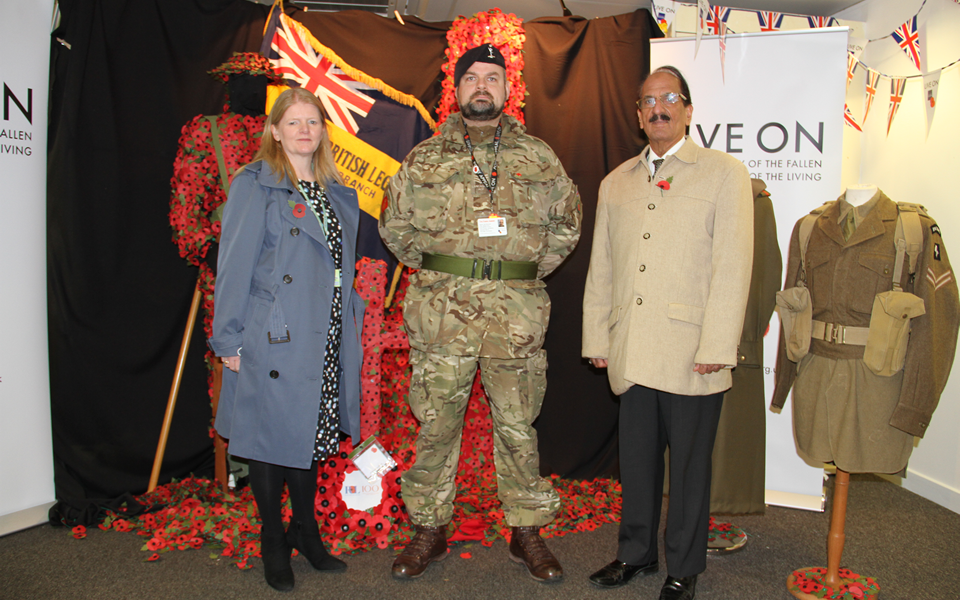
(175, 388)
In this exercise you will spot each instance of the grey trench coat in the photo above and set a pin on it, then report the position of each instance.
(275, 267)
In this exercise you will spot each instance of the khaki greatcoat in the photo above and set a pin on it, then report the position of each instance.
(739, 451)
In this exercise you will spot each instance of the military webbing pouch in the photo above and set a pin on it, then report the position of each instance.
(889, 332)
(796, 317)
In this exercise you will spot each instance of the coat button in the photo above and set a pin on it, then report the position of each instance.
(651, 206)
(295, 232)
(643, 268)
(274, 374)
(646, 236)
(639, 301)
(287, 279)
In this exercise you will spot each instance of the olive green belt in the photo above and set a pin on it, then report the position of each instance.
(478, 268)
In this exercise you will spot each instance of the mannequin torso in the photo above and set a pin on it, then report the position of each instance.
(859, 194)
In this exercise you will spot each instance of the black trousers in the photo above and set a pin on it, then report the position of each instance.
(650, 421)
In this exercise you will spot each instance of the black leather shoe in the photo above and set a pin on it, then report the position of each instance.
(617, 573)
(679, 588)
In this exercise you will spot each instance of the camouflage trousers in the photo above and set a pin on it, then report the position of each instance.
(439, 392)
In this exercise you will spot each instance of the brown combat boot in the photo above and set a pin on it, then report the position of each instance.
(428, 545)
(528, 548)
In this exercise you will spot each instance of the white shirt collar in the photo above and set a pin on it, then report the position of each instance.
(651, 155)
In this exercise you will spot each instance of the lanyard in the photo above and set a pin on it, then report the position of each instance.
(318, 209)
(491, 182)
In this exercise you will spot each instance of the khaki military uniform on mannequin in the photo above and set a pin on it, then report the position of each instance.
(844, 412)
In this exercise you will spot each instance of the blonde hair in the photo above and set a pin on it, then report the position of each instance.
(272, 153)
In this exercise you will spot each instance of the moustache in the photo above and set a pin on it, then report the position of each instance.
(660, 117)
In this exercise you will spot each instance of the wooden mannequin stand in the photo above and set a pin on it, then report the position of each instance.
(833, 583)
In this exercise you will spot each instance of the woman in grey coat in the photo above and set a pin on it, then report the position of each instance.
(287, 325)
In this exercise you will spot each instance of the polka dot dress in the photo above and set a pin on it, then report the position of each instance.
(328, 425)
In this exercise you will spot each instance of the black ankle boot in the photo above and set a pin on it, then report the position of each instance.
(276, 562)
(307, 540)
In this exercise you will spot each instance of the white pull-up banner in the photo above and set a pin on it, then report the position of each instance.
(780, 111)
(26, 453)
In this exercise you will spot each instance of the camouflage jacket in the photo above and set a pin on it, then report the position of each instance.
(432, 206)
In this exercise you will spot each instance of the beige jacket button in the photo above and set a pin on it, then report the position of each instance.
(639, 301)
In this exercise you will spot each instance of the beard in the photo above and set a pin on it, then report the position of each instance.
(476, 111)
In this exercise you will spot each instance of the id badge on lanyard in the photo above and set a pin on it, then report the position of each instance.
(492, 226)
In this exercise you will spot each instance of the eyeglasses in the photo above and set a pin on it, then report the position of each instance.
(665, 98)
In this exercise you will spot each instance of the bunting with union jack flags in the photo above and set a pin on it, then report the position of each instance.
(372, 126)
(873, 79)
(715, 17)
(851, 67)
(897, 85)
(769, 21)
(820, 22)
(849, 119)
(723, 51)
(908, 38)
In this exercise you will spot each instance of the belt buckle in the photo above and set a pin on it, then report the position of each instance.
(834, 333)
(487, 269)
(278, 339)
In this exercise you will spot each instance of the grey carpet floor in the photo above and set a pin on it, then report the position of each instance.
(908, 544)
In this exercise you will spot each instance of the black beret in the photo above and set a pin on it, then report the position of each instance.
(486, 53)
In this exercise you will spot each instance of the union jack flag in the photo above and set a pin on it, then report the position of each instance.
(851, 67)
(769, 21)
(715, 17)
(818, 22)
(873, 78)
(294, 58)
(897, 85)
(909, 39)
(849, 119)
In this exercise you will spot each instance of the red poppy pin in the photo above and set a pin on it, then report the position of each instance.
(299, 210)
(664, 184)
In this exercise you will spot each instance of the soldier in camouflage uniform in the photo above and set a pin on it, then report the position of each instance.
(484, 211)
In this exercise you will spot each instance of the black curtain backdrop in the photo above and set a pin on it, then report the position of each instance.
(118, 292)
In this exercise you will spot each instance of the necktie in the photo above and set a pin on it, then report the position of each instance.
(656, 165)
(849, 226)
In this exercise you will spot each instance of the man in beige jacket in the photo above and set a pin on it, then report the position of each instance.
(662, 312)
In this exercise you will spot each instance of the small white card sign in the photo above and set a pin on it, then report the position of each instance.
(371, 459)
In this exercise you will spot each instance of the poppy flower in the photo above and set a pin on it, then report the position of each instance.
(79, 532)
(156, 543)
(663, 184)
(299, 210)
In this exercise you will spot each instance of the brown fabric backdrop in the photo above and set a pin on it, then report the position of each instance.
(118, 291)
